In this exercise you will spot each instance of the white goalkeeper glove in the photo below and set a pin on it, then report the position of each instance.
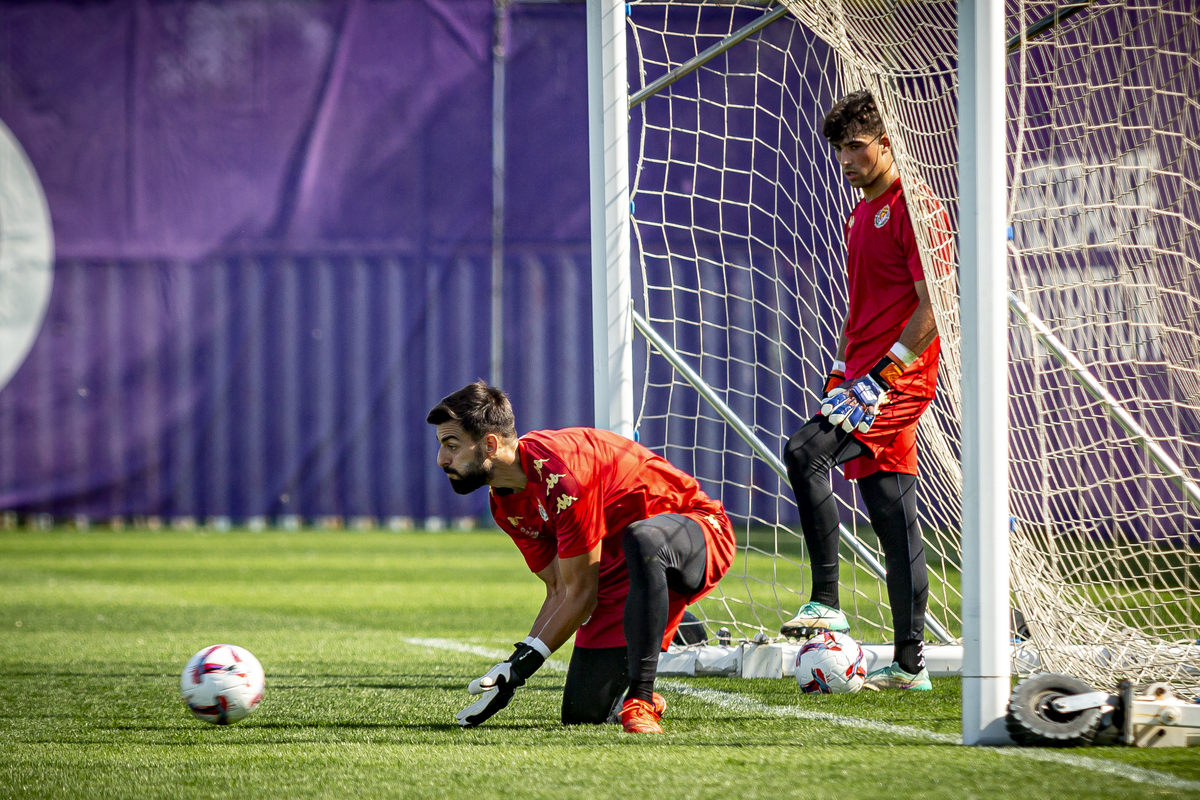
(855, 405)
(499, 683)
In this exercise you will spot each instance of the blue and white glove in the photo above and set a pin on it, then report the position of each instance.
(499, 683)
(854, 405)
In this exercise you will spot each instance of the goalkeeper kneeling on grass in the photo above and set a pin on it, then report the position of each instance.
(881, 381)
(622, 540)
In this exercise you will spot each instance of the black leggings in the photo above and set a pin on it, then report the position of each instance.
(891, 500)
(596, 683)
(663, 554)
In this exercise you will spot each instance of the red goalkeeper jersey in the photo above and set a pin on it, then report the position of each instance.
(586, 486)
(882, 263)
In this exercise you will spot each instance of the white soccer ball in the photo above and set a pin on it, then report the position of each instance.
(222, 684)
(830, 663)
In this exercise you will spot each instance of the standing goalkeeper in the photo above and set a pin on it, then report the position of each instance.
(622, 540)
(881, 381)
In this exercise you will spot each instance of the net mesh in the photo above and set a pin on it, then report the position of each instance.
(740, 263)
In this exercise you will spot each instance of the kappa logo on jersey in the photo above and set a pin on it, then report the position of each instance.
(537, 464)
(882, 216)
(542, 511)
(564, 502)
(552, 481)
(532, 533)
(850, 222)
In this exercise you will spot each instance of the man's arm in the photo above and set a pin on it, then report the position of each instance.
(855, 406)
(556, 592)
(571, 586)
(921, 328)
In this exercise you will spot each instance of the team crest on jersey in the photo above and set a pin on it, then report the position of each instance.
(542, 511)
(883, 215)
(564, 502)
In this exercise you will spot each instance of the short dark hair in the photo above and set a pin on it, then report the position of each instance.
(479, 408)
(853, 114)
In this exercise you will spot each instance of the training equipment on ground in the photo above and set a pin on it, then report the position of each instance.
(690, 631)
(1033, 718)
(895, 676)
(1052, 710)
(830, 663)
(812, 618)
(738, 255)
(222, 684)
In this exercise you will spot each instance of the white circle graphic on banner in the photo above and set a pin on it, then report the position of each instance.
(26, 255)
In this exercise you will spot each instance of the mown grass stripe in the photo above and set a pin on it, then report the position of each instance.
(738, 702)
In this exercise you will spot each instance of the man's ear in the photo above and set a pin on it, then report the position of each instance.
(492, 443)
(884, 141)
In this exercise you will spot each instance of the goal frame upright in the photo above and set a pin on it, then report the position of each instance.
(612, 277)
(984, 316)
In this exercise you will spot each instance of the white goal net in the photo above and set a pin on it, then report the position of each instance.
(739, 268)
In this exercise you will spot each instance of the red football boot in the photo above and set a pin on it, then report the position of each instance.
(638, 716)
(660, 705)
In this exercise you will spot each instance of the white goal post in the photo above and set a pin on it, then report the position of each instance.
(721, 245)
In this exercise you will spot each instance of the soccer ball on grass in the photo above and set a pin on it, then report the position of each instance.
(830, 663)
(222, 684)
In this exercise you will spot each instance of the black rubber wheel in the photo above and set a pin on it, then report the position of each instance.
(691, 630)
(1033, 722)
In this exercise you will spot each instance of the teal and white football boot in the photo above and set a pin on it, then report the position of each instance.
(894, 677)
(812, 618)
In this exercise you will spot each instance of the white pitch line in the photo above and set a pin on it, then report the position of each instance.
(738, 702)
(1115, 768)
(483, 652)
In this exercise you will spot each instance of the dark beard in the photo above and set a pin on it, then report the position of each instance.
(475, 477)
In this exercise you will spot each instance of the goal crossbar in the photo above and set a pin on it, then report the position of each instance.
(762, 451)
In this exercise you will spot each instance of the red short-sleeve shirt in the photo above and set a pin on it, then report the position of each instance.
(882, 264)
(586, 486)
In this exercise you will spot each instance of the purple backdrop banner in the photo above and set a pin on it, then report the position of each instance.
(272, 225)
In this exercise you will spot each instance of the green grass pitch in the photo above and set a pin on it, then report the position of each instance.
(96, 626)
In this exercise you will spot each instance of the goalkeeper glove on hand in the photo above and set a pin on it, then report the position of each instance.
(499, 684)
(854, 406)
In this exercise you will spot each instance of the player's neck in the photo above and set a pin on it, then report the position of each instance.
(880, 185)
(507, 472)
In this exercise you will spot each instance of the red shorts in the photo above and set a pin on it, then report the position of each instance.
(605, 627)
(892, 438)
